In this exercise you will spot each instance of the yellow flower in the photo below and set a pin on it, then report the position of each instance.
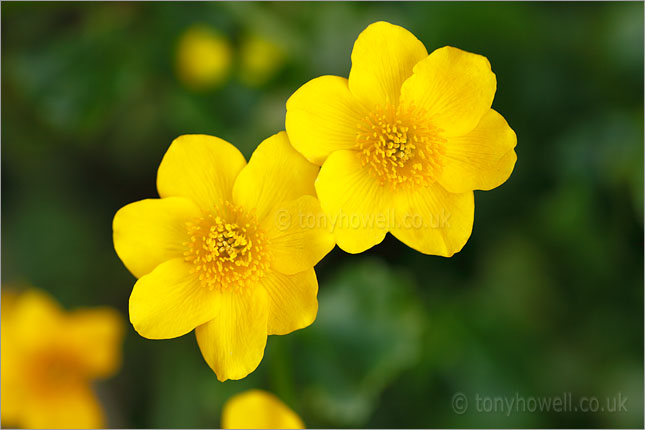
(49, 359)
(403, 142)
(224, 250)
(204, 58)
(260, 59)
(257, 409)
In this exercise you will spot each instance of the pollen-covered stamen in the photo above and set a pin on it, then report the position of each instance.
(226, 248)
(400, 146)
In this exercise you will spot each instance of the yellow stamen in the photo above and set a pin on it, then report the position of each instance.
(226, 248)
(400, 146)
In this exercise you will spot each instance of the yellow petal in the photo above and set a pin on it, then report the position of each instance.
(36, 315)
(200, 167)
(10, 372)
(12, 400)
(355, 203)
(322, 117)
(454, 87)
(382, 59)
(233, 342)
(98, 335)
(434, 221)
(148, 232)
(276, 173)
(298, 235)
(292, 300)
(75, 408)
(11, 384)
(482, 159)
(256, 409)
(170, 301)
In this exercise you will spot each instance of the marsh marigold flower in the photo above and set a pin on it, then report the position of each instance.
(49, 359)
(403, 142)
(222, 250)
(257, 409)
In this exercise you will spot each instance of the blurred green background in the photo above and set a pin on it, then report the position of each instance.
(545, 298)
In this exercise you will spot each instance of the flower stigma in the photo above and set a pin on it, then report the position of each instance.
(400, 146)
(226, 248)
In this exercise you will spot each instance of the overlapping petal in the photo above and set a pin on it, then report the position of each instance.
(434, 221)
(455, 89)
(233, 342)
(382, 59)
(275, 174)
(200, 167)
(148, 232)
(170, 301)
(322, 117)
(482, 159)
(355, 202)
(298, 234)
(293, 302)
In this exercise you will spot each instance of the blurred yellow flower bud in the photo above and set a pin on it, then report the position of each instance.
(204, 58)
(260, 59)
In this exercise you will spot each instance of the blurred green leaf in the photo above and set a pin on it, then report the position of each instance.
(368, 330)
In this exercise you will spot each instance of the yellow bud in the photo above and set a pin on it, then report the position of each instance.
(260, 59)
(204, 58)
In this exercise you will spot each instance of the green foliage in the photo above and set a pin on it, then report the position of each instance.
(368, 330)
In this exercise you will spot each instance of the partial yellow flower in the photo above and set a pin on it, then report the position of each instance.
(403, 142)
(224, 250)
(50, 358)
(260, 59)
(257, 409)
(204, 58)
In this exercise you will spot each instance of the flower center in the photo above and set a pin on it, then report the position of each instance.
(400, 146)
(226, 248)
(53, 369)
